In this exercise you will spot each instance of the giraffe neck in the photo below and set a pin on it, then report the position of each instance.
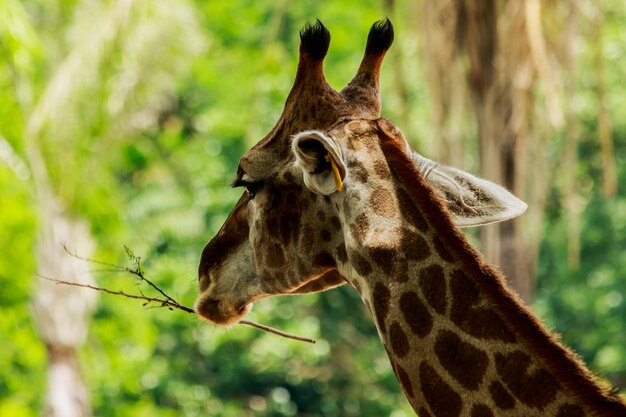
(453, 352)
(460, 343)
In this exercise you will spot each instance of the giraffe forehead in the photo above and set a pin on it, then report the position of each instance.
(273, 154)
(309, 112)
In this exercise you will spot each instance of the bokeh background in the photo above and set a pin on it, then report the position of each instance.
(122, 121)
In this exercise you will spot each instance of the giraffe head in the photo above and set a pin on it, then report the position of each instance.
(320, 198)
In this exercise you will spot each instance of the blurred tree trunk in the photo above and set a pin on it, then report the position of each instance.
(254, 129)
(605, 128)
(501, 45)
(446, 80)
(573, 202)
(492, 97)
(396, 57)
(121, 65)
(61, 312)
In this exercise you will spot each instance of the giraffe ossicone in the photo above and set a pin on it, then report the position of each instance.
(335, 195)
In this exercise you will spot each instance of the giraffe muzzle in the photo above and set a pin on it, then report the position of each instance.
(221, 312)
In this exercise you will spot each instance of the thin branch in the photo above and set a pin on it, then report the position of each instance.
(168, 301)
(276, 331)
(113, 267)
(161, 301)
(137, 271)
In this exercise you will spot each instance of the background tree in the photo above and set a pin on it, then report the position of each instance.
(143, 109)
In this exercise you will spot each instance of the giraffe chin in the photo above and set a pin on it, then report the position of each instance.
(221, 312)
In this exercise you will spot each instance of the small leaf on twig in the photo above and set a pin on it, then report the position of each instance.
(129, 253)
(167, 301)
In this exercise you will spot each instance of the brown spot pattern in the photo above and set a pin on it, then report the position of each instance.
(432, 282)
(360, 227)
(382, 203)
(325, 235)
(288, 177)
(414, 245)
(466, 363)
(307, 239)
(380, 299)
(441, 250)
(476, 320)
(275, 255)
(535, 388)
(404, 379)
(422, 412)
(570, 410)
(401, 271)
(399, 342)
(283, 216)
(324, 259)
(416, 314)
(357, 171)
(342, 255)
(384, 258)
(411, 212)
(360, 264)
(288, 224)
(335, 223)
(481, 410)
(442, 399)
(501, 396)
(381, 169)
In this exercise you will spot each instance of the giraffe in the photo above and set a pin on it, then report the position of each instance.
(335, 195)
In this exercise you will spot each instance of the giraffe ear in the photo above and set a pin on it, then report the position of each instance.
(320, 159)
(473, 201)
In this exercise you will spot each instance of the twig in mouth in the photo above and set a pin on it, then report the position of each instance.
(167, 301)
(276, 331)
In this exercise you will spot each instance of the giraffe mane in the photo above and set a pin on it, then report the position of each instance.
(558, 359)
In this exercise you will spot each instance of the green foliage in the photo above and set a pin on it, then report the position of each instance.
(22, 357)
(143, 141)
(587, 305)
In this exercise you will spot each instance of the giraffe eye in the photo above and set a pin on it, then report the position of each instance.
(252, 188)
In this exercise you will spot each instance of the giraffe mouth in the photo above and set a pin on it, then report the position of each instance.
(221, 312)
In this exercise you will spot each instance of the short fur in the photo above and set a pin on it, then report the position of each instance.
(285, 241)
(565, 365)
